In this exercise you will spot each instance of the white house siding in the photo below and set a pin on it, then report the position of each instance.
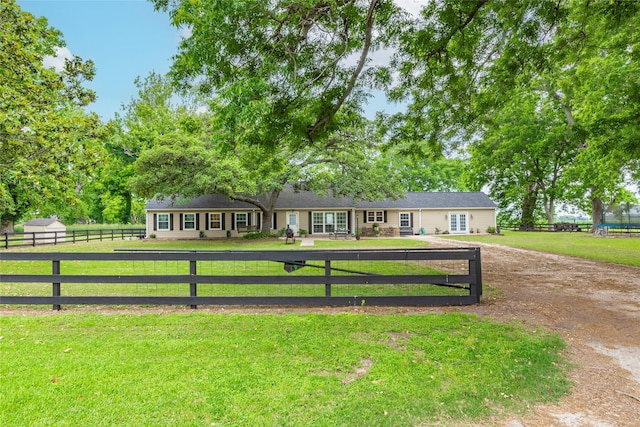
(51, 232)
(431, 212)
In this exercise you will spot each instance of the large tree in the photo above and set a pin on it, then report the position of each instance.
(596, 83)
(459, 61)
(186, 166)
(463, 62)
(156, 111)
(282, 68)
(522, 157)
(286, 81)
(47, 143)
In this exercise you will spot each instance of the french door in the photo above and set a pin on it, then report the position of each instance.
(458, 223)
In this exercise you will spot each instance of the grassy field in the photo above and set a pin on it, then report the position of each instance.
(621, 250)
(312, 370)
(203, 369)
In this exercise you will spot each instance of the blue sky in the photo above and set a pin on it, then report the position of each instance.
(125, 39)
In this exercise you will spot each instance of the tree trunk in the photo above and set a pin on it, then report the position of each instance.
(7, 227)
(549, 209)
(267, 210)
(597, 212)
(267, 214)
(529, 205)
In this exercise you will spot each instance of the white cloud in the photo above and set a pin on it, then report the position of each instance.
(185, 32)
(57, 61)
(413, 6)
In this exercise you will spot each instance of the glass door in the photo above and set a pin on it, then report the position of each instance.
(292, 221)
(458, 222)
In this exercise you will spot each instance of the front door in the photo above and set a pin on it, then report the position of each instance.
(292, 221)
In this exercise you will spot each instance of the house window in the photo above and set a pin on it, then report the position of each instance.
(242, 219)
(318, 222)
(375, 216)
(405, 219)
(215, 221)
(163, 222)
(328, 222)
(189, 221)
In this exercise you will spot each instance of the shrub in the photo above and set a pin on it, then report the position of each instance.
(491, 230)
(260, 235)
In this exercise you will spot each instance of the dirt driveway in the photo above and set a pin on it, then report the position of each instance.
(594, 306)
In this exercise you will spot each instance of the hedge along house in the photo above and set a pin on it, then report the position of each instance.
(215, 215)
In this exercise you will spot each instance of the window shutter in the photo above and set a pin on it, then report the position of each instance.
(233, 221)
(385, 216)
(411, 218)
(349, 220)
(206, 221)
(275, 221)
(155, 222)
(197, 221)
(310, 224)
(249, 215)
(223, 224)
(259, 220)
(181, 222)
(365, 217)
(171, 222)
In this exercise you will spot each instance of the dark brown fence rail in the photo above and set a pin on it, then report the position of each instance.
(598, 229)
(70, 236)
(330, 278)
(556, 227)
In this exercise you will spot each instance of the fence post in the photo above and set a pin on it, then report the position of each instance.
(74, 235)
(475, 268)
(33, 239)
(193, 291)
(6, 240)
(55, 269)
(101, 234)
(327, 273)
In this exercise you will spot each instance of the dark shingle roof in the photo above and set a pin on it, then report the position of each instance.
(290, 199)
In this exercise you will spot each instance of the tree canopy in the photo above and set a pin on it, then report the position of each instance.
(48, 145)
(282, 69)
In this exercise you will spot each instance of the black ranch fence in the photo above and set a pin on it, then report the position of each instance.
(68, 236)
(599, 229)
(557, 227)
(291, 277)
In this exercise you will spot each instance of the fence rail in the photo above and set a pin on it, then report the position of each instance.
(69, 236)
(542, 227)
(329, 266)
(599, 229)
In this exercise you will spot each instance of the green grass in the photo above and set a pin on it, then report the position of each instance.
(621, 250)
(247, 370)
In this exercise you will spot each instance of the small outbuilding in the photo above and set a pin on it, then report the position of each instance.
(44, 230)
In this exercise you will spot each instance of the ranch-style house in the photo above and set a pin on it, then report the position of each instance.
(215, 215)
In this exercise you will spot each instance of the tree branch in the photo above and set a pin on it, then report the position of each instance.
(323, 121)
